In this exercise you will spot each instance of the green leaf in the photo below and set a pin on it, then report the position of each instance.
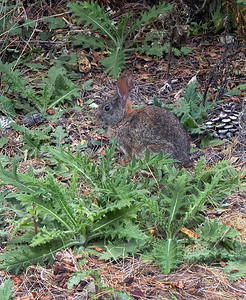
(113, 37)
(237, 90)
(212, 231)
(89, 42)
(155, 49)
(75, 279)
(55, 23)
(236, 270)
(191, 110)
(118, 249)
(152, 13)
(93, 15)
(44, 237)
(59, 135)
(185, 50)
(22, 256)
(176, 52)
(29, 23)
(121, 295)
(6, 291)
(167, 254)
(44, 36)
(175, 199)
(114, 63)
(3, 141)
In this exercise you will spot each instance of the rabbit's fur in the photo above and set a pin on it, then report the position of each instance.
(149, 127)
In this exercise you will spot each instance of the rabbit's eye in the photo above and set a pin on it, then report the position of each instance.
(107, 107)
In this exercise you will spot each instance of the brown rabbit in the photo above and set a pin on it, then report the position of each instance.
(149, 127)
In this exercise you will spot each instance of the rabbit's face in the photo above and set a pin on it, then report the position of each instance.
(110, 113)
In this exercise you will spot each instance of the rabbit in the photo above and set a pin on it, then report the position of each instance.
(149, 127)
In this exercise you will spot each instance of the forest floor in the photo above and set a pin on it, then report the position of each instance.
(139, 279)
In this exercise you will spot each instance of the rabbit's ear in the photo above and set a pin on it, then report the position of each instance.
(124, 85)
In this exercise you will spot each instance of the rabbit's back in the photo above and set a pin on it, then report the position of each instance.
(154, 128)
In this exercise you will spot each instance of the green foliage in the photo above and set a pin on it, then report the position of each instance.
(191, 110)
(68, 62)
(6, 291)
(55, 89)
(14, 24)
(217, 242)
(185, 193)
(9, 26)
(237, 90)
(116, 36)
(225, 16)
(197, 28)
(75, 279)
(218, 16)
(55, 23)
(33, 140)
(236, 269)
(119, 203)
(177, 205)
(153, 46)
(167, 254)
(209, 141)
(94, 285)
(65, 218)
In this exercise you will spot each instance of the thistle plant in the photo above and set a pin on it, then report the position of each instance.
(117, 38)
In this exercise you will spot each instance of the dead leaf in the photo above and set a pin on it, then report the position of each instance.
(234, 159)
(50, 111)
(99, 249)
(190, 233)
(180, 284)
(83, 61)
(222, 264)
(188, 71)
(78, 256)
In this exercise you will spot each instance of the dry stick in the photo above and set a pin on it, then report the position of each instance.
(201, 8)
(221, 238)
(24, 48)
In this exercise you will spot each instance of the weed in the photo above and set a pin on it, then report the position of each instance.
(6, 291)
(55, 89)
(190, 109)
(116, 37)
(118, 210)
